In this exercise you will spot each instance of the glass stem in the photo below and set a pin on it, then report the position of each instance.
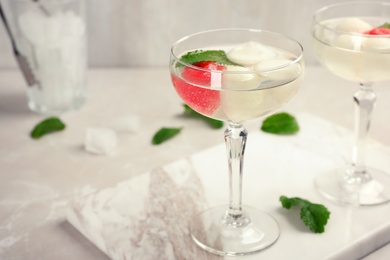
(235, 139)
(364, 100)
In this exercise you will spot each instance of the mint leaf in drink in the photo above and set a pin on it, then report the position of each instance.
(213, 123)
(165, 134)
(217, 56)
(49, 125)
(385, 25)
(315, 216)
(281, 123)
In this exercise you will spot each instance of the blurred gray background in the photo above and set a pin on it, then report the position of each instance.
(139, 33)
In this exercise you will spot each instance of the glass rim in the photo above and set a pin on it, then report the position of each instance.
(275, 68)
(331, 6)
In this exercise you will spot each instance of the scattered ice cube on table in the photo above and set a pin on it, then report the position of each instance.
(100, 140)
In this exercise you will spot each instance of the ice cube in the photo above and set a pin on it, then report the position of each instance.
(249, 53)
(75, 26)
(50, 30)
(353, 25)
(100, 140)
(56, 48)
(127, 123)
(288, 71)
(32, 26)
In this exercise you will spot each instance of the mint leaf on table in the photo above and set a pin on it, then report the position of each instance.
(281, 123)
(165, 134)
(315, 216)
(217, 56)
(213, 123)
(49, 125)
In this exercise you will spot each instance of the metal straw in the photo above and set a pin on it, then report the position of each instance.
(21, 60)
(42, 7)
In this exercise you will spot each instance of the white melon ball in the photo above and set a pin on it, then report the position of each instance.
(379, 44)
(238, 102)
(240, 78)
(240, 106)
(353, 25)
(286, 72)
(351, 42)
(249, 53)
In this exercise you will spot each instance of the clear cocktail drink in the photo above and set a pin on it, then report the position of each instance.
(235, 75)
(352, 53)
(352, 40)
(243, 91)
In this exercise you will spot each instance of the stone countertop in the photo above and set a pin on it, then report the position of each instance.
(39, 177)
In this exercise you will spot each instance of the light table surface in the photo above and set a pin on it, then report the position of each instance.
(39, 177)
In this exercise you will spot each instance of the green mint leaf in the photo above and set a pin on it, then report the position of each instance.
(213, 123)
(385, 25)
(218, 56)
(315, 216)
(165, 134)
(49, 125)
(281, 123)
(288, 203)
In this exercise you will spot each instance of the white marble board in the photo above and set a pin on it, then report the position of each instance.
(146, 217)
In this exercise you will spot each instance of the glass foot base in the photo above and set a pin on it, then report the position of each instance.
(336, 186)
(211, 232)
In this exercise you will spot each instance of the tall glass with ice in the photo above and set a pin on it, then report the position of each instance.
(51, 36)
(236, 75)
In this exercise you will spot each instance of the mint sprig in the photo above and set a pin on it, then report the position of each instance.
(46, 126)
(385, 25)
(213, 123)
(217, 56)
(164, 134)
(281, 123)
(315, 216)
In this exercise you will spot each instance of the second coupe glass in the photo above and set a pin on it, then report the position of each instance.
(351, 40)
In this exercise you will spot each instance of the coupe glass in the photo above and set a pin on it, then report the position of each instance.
(236, 93)
(343, 45)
